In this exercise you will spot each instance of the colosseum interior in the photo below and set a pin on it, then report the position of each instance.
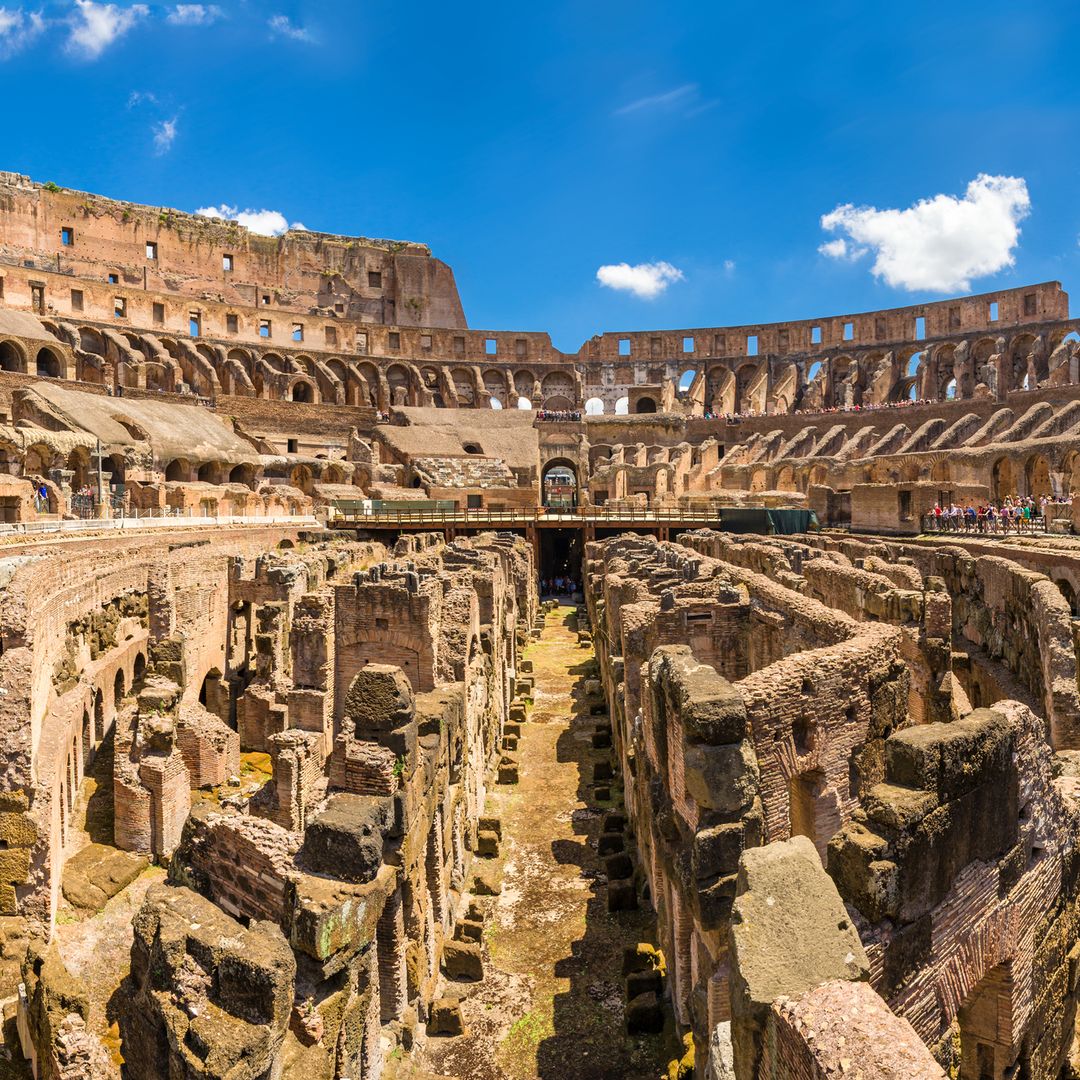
(384, 697)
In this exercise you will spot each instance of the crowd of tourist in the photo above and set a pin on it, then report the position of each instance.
(560, 585)
(1012, 514)
(557, 415)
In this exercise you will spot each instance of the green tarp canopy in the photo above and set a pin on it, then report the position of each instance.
(766, 522)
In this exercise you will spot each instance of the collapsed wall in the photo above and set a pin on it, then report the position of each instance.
(747, 711)
(307, 917)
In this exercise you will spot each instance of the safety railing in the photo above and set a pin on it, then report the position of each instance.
(583, 515)
(80, 525)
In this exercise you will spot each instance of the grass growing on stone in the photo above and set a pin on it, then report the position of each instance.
(551, 1001)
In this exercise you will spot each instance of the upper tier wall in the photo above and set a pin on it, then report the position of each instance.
(55, 230)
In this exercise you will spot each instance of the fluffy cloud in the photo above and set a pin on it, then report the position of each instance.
(282, 26)
(645, 280)
(164, 136)
(263, 222)
(94, 27)
(194, 14)
(939, 244)
(17, 29)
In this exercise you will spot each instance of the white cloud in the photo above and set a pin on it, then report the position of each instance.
(17, 29)
(194, 14)
(164, 136)
(939, 244)
(263, 222)
(94, 27)
(141, 97)
(282, 25)
(670, 97)
(729, 267)
(838, 249)
(645, 280)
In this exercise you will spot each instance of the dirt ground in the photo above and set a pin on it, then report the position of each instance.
(550, 1004)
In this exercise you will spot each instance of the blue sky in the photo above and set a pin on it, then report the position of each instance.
(531, 145)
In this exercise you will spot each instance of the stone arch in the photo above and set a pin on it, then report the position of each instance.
(303, 390)
(1003, 479)
(48, 364)
(1037, 476)
(178, 470)
(559, 483)
(594, 406)
(645, 404)
(12, 357)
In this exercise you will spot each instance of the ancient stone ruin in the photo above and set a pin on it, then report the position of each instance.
(381, 697)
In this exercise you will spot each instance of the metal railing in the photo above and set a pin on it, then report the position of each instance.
(582, 515)
(61, 525)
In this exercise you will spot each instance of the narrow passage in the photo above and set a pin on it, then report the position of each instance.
(551, 1002)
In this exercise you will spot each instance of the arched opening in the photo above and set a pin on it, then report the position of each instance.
(10, 357)
(560, 485)
(524, 403)
(210, 472)
(496, 403)
(300, 477)
(950, 389)
(176, 471)
(594, 406)
(138, 672)
(48, 364)
(645, 405)
(913, 365)
(622, 406)
(1037, 474)
(118, 688)
(78, 464)
(99, 724)
(814, 372)
(687, 380)
(985, 1021)
(242, 474)
(302, 392)
(1004, 479)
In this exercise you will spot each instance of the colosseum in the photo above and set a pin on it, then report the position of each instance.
(385, 697)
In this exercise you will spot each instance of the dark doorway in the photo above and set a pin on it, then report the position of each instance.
(560, 561)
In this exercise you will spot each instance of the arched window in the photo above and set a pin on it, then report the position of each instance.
(496, 403)
(524, 403)
(594, 406)
(622, 406)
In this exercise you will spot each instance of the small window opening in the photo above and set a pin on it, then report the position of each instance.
(114, 279)
(265, 299)
(67, 236)
(491, 346)
(159, 314)
(232, 324)
(151, 250)
(687, 344)
(330, 335)
(1030, 306)
(993, 311)
(76, 300)
(119, 307)
(849, 331)
(194, 323)
(361, 341)
(297, 331)
(815, 335)
(394, 339)
(374, 279)
(920, 328)
(227, 263)
(751, 344)
(459, 346)
(624, 346)
(264, 328)
(425, 342)
(291, 446)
